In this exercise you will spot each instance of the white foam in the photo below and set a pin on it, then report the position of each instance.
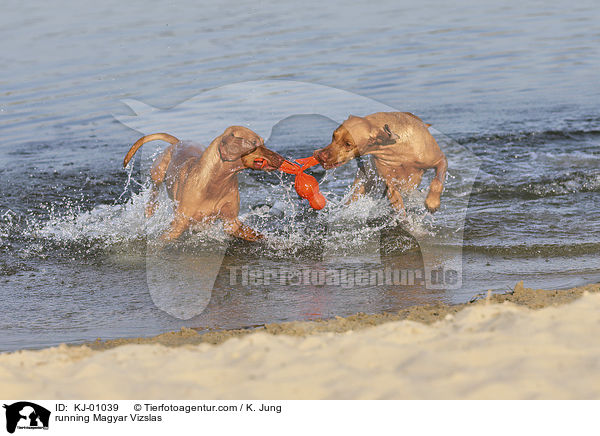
(288, 224)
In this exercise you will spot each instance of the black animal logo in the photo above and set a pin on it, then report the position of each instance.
(31, 414)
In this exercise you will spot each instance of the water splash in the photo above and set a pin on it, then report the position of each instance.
(290, 226)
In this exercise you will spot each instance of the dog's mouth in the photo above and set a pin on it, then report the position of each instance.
(323, 160)
(263, 164)
(330, 166)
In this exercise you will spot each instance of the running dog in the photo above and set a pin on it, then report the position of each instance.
(203, 183)
(402, 149)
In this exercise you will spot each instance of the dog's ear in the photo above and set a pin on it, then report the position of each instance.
(384, 136)
(233, 147)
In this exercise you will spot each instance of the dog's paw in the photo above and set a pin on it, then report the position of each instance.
(432, 204)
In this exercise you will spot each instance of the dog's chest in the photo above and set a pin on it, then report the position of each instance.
(397, 154)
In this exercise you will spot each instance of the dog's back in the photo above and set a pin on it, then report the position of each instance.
(170, 166)
(183, 151)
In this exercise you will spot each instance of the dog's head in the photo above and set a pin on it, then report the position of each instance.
(354, 137)
(241, 144)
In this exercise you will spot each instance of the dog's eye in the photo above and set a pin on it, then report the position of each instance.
(347, 144)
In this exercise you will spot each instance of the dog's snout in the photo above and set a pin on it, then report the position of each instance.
(275, 160)
(322, 155)
(278, 161)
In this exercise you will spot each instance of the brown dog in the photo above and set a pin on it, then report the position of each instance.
(204, 183)
(402, 149)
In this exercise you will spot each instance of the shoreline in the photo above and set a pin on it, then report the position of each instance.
(527, 344)
(427, 314)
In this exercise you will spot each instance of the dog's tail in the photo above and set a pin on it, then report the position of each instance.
(162, 136)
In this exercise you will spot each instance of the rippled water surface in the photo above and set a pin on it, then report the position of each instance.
(511, 91)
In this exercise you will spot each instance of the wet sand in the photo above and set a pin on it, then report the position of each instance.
(531, 298)
(525, 344)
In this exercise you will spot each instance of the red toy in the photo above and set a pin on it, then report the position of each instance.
(306, 185)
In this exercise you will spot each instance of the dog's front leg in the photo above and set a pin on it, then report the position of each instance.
(433, 200)
(358, 188)
(238, 229)
(367, 176)
(395, 198)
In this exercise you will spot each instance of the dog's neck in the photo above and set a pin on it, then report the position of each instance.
(220, 169)
(386, 154)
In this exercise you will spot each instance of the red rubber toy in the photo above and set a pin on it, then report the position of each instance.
(306, 185)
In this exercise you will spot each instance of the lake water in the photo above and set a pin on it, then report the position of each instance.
(511, 91)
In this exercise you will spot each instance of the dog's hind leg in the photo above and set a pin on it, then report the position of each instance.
(395, 198)
(152, 204)
(433, 200)
(159, 168)
(179, 225)
(157, 177)
(238, 229)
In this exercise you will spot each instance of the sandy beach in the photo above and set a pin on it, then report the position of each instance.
(527, 344)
